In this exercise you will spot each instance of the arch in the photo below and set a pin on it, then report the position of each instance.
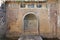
(30, 17)
(30, 13)
(30, 23)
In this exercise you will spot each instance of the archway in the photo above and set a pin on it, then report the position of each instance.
(30, 24)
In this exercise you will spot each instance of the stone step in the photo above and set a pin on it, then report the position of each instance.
(30, 38)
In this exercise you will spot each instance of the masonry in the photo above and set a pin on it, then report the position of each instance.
(32, 18)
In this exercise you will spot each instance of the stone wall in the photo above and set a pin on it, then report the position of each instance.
(46, 17)
(15, 21)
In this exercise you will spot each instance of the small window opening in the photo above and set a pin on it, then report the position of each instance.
(39, 5)
(30, 5)
(22, 5)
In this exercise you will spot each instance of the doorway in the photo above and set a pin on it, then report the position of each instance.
(30, 24)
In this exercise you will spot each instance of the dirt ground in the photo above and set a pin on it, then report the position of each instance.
(50, 39)
(29, 38)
